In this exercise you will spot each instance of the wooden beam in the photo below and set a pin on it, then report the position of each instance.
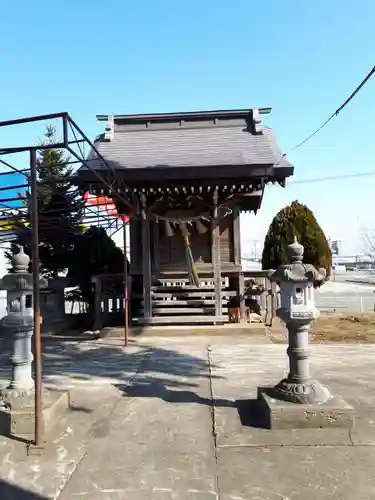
(215, 252)
(209, 174)
(146, 262)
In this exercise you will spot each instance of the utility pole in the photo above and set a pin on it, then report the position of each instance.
(255, 249)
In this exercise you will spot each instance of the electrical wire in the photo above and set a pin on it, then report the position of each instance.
(109, 220)
(333, 115)
(332, 178)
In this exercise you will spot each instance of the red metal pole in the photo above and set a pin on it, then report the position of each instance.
(36, 298)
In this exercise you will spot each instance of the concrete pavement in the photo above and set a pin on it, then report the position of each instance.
(164, 419)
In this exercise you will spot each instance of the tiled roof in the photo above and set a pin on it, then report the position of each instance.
(202, 143)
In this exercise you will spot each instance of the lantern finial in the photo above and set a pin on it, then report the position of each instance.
(20, 261)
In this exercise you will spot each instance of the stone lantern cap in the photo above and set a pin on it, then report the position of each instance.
(20, 279)
(296, 271)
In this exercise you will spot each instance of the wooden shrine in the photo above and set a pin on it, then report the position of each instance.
(184, 178)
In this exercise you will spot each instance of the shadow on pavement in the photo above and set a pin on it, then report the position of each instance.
(250, 413)
(12, 492)
(168, 391)
(141, 371)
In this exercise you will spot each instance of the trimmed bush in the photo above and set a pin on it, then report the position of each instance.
(296, 220)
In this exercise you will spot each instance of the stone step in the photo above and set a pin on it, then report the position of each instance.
(180, 320)
(187, 280)
(187, 288)
(184, 310)
(192, 302)
(181, 293)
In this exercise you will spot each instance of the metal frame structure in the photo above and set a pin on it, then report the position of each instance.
(73, 142)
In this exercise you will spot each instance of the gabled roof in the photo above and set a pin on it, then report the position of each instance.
(184, 140)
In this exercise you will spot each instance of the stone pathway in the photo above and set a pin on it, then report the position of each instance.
(159, 441)
(163, 420)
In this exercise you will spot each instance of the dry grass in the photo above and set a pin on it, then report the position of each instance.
(334, 327)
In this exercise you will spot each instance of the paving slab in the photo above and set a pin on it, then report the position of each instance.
(238, 371)
(163, 419)
(91, 373)
(159, 440)
(255, 463)
(297, 473)
(46, 474)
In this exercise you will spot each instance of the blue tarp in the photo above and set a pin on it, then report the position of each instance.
(9, 181)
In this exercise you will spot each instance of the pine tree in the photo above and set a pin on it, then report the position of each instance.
(296, 220)
(59, 205)
(60, 209)
(94, 253)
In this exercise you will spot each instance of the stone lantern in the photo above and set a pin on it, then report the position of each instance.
(18, 326)
(298, 400)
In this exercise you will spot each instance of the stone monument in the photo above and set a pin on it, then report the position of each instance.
(17, 397)
(18, 324)
(298, 400)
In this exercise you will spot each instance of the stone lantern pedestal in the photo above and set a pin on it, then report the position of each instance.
(17, 415)
(299, 401)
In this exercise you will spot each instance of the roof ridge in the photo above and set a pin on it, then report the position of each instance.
(219, 113)
(123, 129)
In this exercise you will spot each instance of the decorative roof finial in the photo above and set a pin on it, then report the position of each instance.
(257, 122)
(109, 129)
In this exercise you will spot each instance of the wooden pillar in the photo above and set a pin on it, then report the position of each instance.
(215, 252)
(98, 320)
(155, 245)
(146, 261)
(237, 260)
(236, 237)
(241, 293)
(135, 238)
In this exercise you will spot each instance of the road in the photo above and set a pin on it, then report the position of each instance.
(341, 295)
(359, 276)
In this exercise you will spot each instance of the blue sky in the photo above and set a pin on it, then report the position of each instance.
(302, 58)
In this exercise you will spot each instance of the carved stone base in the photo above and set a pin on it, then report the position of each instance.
(10, 396)
(17, 411)
(279, 414)
(311, 392)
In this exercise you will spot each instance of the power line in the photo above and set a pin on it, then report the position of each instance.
(332, 178)
(335, 113)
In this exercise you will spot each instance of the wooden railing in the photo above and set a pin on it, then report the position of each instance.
(269, 297)
(110, 299)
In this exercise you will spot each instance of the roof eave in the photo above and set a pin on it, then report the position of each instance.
(135, 176)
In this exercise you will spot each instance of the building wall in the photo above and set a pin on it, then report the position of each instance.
(168, 253)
